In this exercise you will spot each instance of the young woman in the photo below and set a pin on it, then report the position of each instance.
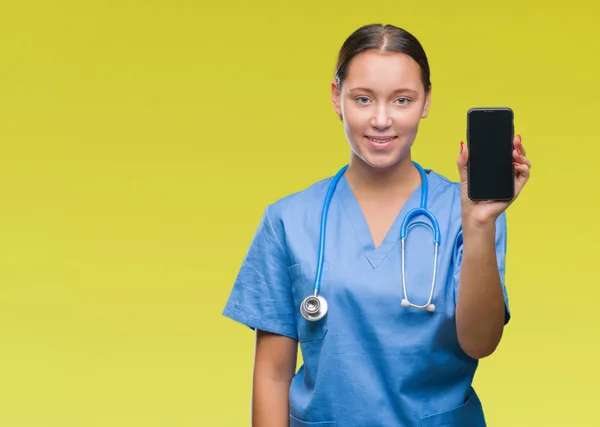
(390, 330)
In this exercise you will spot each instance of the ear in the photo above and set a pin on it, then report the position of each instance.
(427, 104)
(335, 98)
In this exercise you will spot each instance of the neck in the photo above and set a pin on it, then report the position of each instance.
(401, 179)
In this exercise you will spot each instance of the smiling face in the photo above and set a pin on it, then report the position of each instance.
(381, 102)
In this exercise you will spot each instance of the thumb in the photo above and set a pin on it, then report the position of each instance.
(461, 162)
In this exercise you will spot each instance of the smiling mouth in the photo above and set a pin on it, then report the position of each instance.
(381, 139)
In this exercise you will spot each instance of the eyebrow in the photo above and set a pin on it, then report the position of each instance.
(364, 89)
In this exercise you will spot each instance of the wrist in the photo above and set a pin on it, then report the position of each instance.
(478, 226)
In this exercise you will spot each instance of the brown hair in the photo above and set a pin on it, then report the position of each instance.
(385, 38)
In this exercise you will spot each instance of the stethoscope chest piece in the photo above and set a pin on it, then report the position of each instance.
(313, 308)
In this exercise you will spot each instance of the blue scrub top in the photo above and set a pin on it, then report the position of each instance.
(370, 362)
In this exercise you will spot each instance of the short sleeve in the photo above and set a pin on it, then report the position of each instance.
(261, 297)
(501, 236)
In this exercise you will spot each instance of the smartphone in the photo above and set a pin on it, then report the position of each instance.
(490, 133)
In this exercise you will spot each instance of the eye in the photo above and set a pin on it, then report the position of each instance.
(362, 99)
(403, 100)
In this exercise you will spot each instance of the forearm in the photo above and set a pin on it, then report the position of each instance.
(480, 301)
(270, 407)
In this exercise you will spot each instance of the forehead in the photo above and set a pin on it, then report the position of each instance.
(384, 70)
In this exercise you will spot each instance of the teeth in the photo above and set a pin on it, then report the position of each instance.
(381, 141)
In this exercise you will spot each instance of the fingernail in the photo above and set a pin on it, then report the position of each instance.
(515, 164)
(518, 151)
(462, 144)
(519, 136)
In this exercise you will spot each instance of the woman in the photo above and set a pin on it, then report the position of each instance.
(372, 359)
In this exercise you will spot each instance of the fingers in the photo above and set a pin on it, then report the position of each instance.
(522, 164)
(520, 158)
(521, 170)
(463, 155)
(461, 161)
(519, 152)
(517, 142)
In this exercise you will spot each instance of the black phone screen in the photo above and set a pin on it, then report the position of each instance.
(490, 142)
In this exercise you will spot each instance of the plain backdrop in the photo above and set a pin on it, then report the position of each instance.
(140, 142)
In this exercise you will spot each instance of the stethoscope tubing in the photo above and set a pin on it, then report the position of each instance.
(314, 307)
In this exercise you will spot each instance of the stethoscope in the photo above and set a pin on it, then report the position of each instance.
(314, 307)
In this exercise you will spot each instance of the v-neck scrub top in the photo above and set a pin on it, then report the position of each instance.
(370, 362)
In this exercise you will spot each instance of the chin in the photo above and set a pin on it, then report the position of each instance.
(381, 162)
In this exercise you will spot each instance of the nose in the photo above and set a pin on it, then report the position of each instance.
(381, 118)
